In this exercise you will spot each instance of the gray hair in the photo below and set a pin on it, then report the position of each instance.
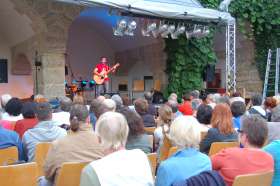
(112, 128)
(117, 99)
(275, 115)
(148, 96)
(65, 104)
(5, 98)
(109, 104)
(43, 111)
(195, 94)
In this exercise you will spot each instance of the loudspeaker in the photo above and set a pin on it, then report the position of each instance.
(3, 71)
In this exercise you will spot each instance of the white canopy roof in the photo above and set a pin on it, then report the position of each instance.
(167, 9)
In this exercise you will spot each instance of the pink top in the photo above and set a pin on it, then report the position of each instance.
(7, 124)
(232, 162)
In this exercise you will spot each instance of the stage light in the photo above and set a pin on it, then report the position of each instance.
(150, 27)
(84, 83)
(171, 29)
(130, 28)
(74, 81)
(121, 26)
(162, 28)
(91, 83)
(180, 30)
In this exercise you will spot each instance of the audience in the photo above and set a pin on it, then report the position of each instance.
(44, 131)
(29, 119)
(186, 107)
(62, 117)
(110, 104)
(256, 102)
(141, 107)
(10, 138)
(81, 145)
(173, 96)
(151, 108)
(269, 104)
(119, 103)
(78, 99)
(274, 125)
(195, 104)
(163, 125)
(232, 162)
(5, 98)
(119, 166)
(238, 109)
(93, 111)
(13, 110)
(204, 115)
(236, 96)
(187, 161)
(174, 106)
(222, 128)
(137, 139)
(210, 101)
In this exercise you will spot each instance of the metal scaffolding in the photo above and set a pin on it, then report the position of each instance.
(230, 56)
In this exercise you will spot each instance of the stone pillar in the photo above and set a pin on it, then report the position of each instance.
(51, 76)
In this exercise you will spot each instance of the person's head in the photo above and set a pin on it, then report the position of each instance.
(101, 98)
(95, 103)
(44, 111)
(126, 101)
(210, 98)
(195, 104)
(270, 103)
(118, 100)
(141, 105)
(253, 131)
(5, 98)
(275, 114)
(238, 108)
(204, 114)
(216, 97)
(165, 114)
(236, 94)
(28, 110)
(110, 104)
(223, 99)
(256, 100)
(148, 96)
(65, 104)
(184, 132)
(187, 96)
(112, 130)
(222, 119)
(78, 99)
(103, 60)
(173, 96)
(13, 107)
(78, 116)
(173, 105)
(194, 94)
(135, 122)
(40, 99)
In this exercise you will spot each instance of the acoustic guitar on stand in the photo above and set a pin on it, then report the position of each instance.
(100, 78)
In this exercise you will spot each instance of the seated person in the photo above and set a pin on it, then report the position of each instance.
(238, 109)
(81, 145)
(137, 139)
(203, 116)
(13, 110)
(62, 117)
(44, 131)
(29, 119)
(186, 107)
(274, 125)
(119, 166)
(151, 108)
(10, 138)
(256, 102)
(187, 161)
(222, 129)
(232, 162)
(141, 107)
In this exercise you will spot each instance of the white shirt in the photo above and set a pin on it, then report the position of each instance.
(61, 118)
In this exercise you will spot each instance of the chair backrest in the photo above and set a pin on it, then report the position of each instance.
(41, 152)
(218, 146)
(164, 149)
(150, 130)
(172, 151)
(151, 141)
(19, 175)
(153, 162)
(203, 135)
(70, 174)
(8, 155)
(256, 179)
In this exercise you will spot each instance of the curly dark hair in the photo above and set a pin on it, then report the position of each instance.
(28, 110)
(135, 122)
(13, 107)
(204, 114)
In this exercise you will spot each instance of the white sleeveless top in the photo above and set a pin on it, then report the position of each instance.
(125, 168)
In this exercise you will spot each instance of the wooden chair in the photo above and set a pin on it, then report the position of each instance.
(218, 146)
(153, 162)
(164, 150)
(150, 130)
(8, 155)
(172, 151)
(151, 140)
(19, 175)
(255, 179)
(203, 135)
(41, 152)
(70, 174)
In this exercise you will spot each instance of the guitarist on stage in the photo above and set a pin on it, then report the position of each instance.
(101, 70)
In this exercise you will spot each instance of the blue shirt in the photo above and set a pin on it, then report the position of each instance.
(182, 165)
(274, 149)
(236, 122)
(10, 138)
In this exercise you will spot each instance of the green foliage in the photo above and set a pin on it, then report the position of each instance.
(260, 21)
(186, 59)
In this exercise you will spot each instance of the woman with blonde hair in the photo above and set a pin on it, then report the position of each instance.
(163, 124)
(187, 161)
(222, 128)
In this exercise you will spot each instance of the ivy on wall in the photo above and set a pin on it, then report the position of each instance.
(263, 19)
(186, 59)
